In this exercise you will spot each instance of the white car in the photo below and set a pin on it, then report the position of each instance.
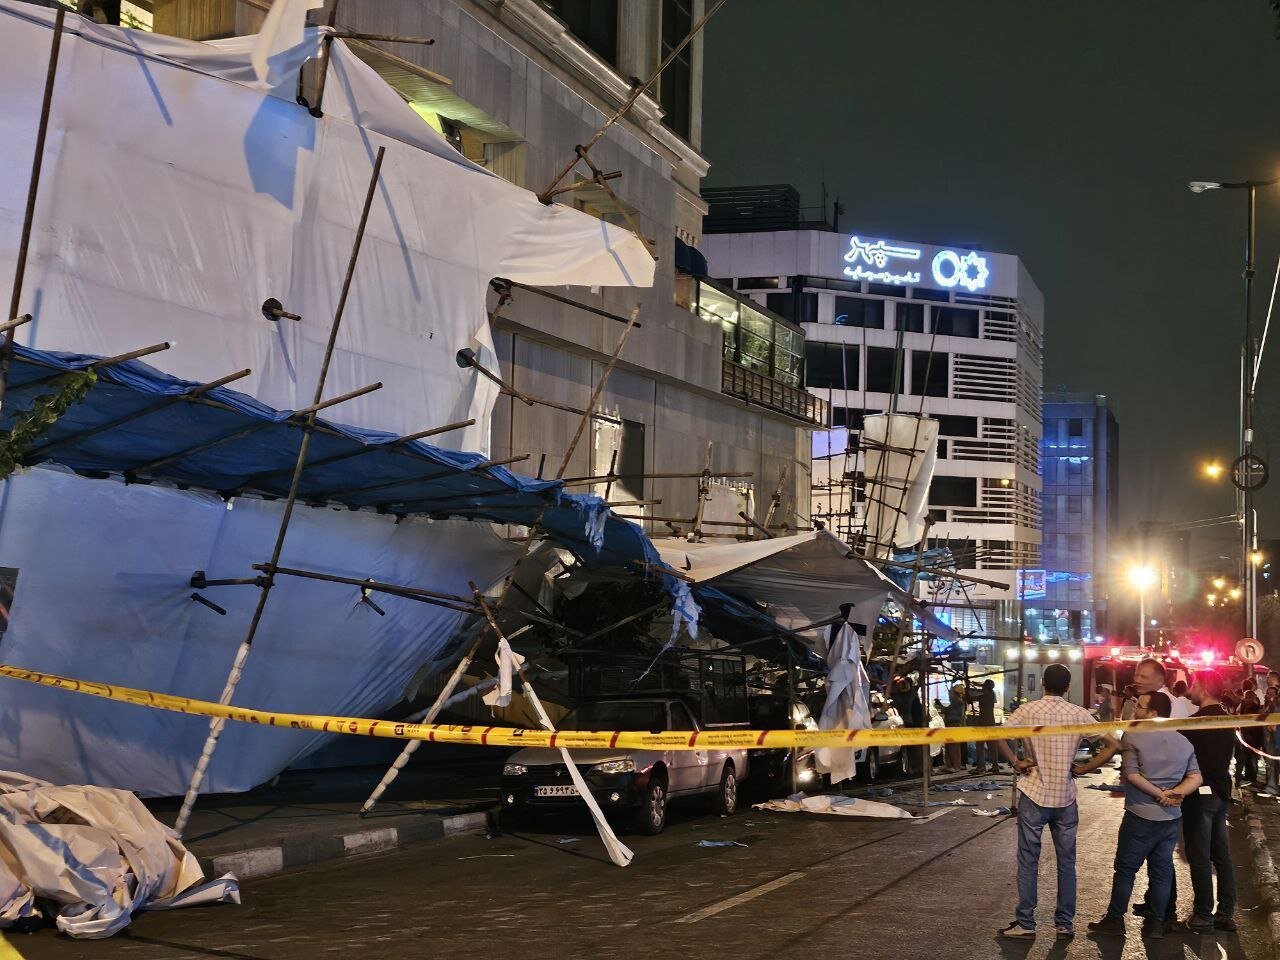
(642, 781)
(885, 717)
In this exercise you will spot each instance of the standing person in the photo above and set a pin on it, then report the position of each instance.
(1179, 691)
(1204, 814)
(985, 698)
(1159, 771)
(1130, 699)
(953, 716)
(1271, 704)
(1149, 677)
(1246, 759)
(1046, 782)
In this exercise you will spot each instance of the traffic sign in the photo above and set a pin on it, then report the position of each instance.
(1249, 650)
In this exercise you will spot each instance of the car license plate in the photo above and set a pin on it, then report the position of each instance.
(568, 790)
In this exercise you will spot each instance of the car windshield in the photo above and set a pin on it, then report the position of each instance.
(644, 715)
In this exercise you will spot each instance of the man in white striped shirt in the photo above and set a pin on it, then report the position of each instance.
(1046, 782)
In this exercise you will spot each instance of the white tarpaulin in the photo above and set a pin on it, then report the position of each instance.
(177, 197)
(848, 703)
(900, 452)
(804, 578)
(95, 856)
(102, 591)
(841, 806)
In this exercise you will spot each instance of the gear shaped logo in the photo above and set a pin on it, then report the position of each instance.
(951, 269)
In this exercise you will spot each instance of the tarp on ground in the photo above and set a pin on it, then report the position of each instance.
(92, 857)
(177, 197)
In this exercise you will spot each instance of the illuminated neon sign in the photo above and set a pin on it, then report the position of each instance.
(877, 254)
(968, 270)
(874, 260)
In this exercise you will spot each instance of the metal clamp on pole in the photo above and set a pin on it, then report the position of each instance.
(274, 310)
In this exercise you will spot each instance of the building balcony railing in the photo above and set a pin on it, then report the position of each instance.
(737, 381)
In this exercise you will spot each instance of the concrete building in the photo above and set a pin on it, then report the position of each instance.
(950, 331)
(1081, 508)
(515, 86)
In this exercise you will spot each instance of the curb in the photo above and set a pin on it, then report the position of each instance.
(1266, 879)
(260, 862)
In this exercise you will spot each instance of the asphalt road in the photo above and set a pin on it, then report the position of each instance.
(802, 886)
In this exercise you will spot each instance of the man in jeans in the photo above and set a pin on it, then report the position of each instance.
(1049, 800)
(1204, 814)
(1159, 771)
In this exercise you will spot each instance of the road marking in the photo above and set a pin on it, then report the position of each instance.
(7, 950)
(732, 902)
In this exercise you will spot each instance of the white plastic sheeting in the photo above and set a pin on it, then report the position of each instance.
(838, 805)
(900, 452)
(103, 592)
(848, 703)
(177, 197)
(95, 856)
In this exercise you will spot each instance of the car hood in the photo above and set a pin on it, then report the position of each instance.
(548, 756)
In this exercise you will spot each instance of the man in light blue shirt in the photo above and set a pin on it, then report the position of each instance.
(1158, 770)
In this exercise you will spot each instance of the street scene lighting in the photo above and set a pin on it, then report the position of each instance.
(1200, 186)
(1214, 470)
(1219, 583)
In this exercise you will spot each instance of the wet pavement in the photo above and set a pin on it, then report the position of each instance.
(802, 886)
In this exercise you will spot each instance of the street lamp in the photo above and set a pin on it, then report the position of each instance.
(1142, 577)
(1248, 377)
(1213, 470)
(1219, 583)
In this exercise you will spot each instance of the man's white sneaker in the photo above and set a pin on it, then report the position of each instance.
(1016, 930)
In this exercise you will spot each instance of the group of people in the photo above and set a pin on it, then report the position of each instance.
(955, 714)
(1173, 781)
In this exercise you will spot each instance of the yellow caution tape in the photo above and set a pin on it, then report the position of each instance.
(623, 739)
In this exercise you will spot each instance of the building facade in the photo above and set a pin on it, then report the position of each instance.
(949, 332)
(1080, 461)
(515, 86)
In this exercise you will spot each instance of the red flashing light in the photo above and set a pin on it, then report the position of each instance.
(1207, 656)
(1115, 651)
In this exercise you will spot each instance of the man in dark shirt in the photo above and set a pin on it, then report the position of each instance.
(1204, 813)
(986, 701)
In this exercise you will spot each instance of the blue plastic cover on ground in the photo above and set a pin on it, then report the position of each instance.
(147, 426)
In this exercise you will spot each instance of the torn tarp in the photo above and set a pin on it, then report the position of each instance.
(95, 855)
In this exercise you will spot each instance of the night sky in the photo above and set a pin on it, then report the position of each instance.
(1064, 133)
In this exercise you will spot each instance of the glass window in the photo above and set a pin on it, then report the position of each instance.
(1075, 427)
(929, 373)
(757, 283)
(881, 370)
(594, 22)
(788, 355)
(953, 492)
(802, 310)
(955, 322)
(828, 365)
(910, 317)
(922, 293)
(649, 715)
(952, 426)
(850, 417)
(886, 289)
(674, 86)
(857, 312)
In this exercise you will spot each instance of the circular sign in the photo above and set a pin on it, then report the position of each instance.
(1249, 472)
(1249, 650)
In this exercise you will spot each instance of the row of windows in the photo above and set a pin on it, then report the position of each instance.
(835, 366)
(871, 314)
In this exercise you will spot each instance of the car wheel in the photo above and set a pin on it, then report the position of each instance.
(726, 803)
(652, 816)
(872, 765)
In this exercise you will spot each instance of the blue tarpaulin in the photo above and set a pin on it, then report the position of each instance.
(146, 426)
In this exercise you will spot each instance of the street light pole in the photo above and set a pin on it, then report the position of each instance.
(1142, 618)
(1244, 498)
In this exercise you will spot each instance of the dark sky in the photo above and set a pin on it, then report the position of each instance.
(1064, 133)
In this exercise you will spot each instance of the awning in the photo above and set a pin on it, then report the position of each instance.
(804, 578)
(145, 426)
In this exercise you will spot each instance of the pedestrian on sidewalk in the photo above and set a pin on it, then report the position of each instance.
(1271, 704)
(1046, 782)
(953, 716)
(1181, 700)
(985, 698)
(1149, 677)
(1159, 771)
(1204, 815)
(1247, 759)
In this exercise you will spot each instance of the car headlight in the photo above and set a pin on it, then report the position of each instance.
(514, 770)
(626, 765)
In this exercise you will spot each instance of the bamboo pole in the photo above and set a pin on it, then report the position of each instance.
(242, 654)
(33, 190)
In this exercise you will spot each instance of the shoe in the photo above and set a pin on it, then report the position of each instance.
(995, 768)
(1153, 929)
(1063, 930)
(1198, 924)
(1224, 923)
(1110, 926)
(1016, 931)
(975, 771)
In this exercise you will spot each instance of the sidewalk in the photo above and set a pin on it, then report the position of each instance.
(310, 816)
(1261, 815)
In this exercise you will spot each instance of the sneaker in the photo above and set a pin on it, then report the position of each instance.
(1015, 930)
(1064, 930)
(1198, 924)
(1224, 923)
(1110, 926)
(1153, 929)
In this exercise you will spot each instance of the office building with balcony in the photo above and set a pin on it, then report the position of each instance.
(1080, 462)
(951, 331)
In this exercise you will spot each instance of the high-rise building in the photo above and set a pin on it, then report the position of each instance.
(950, 331)
(1081, 491)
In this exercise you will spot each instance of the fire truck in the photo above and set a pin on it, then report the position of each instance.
(1108, 670)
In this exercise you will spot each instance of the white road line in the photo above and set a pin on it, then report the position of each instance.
(748, 895)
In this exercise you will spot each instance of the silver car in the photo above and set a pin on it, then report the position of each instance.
(639, 781)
